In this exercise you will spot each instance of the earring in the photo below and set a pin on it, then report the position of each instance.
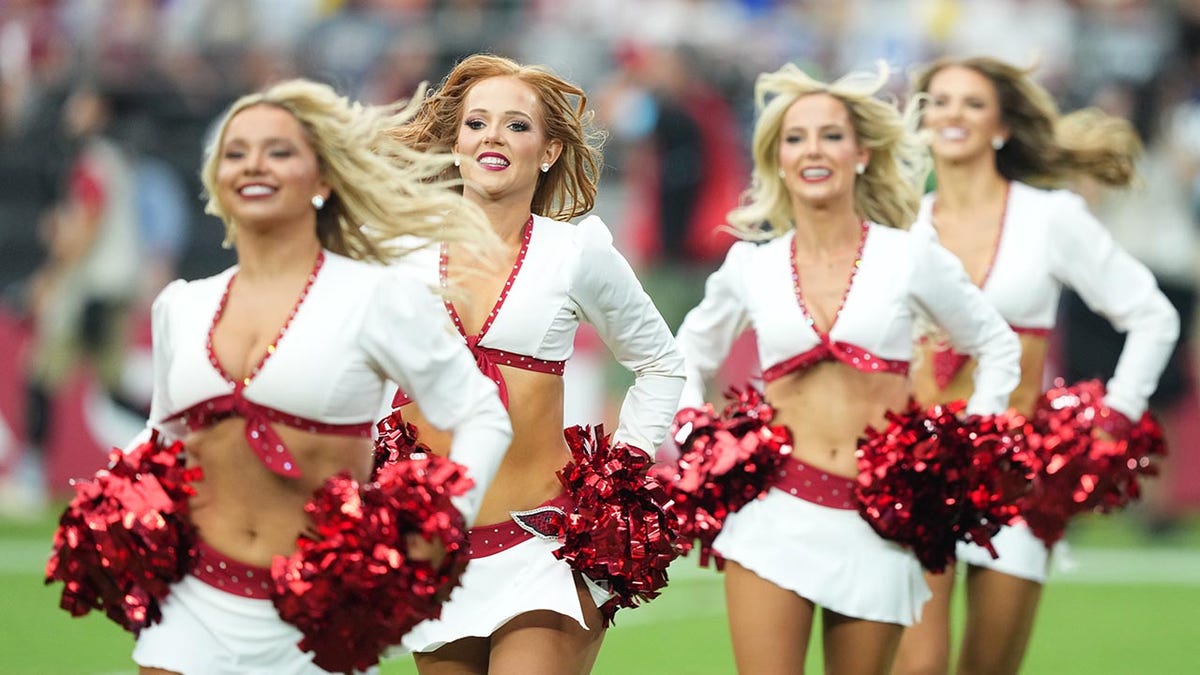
(318, 202)
(782, 173)
(860, 168)
(997, 142)
(457, 161)
(545, 167)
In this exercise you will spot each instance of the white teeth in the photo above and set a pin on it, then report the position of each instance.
(815, 173)
(494, 161)
(953, 133)
(256, 191)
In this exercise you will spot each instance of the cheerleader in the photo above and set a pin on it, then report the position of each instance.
(832, 284)
(999, 145)
(271, 372)
(525, 156)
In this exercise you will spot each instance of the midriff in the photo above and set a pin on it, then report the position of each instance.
(828, 406)
(528, 474)
(1023, 398)
(245, 511)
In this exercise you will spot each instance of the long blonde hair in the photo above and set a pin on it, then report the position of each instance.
(381, 188)
(569, 188)
(1045, 148)
(889, 190)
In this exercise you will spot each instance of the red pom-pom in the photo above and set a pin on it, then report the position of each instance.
(620, 531)
(126, 536)
(1081, 472)
(351, 587)
(726, 462)
(395, 441)
(930, 479)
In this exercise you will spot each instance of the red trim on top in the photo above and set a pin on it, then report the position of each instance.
(488, 358)
(987, 274)
(263, 440)
(829, 349)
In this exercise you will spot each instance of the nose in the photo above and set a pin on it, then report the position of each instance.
(254, 161)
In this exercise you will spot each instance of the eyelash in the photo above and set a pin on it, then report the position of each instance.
(476, 125)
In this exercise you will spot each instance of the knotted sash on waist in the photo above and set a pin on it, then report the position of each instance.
(947, 362)
(263, 439)
(489, 361)
(832, 350)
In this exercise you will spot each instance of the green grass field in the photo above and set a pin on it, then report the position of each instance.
(1126, 605)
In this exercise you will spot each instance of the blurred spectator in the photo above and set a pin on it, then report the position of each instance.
(80, 298)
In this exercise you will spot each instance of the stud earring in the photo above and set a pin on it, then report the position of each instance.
(318, 202)
(545, 167)
(457, 161)
(860, 168)
(997, 142)
(782, 173)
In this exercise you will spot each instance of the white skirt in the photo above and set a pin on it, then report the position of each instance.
(827, 555)
(208, 631)
(500, 587)
(1021, 553)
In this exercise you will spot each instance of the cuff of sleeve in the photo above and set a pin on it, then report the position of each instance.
(1129, 407)
(1114, 422)
(986, 405)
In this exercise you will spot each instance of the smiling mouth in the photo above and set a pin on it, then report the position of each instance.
(493, 162)
(256, 191)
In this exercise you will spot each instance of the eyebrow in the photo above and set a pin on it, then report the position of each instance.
(266, 141)
(522, 113)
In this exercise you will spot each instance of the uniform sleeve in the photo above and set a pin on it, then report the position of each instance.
(709, 330)
(942, 290)
(1113, 284)
(161, 353)
(406, 332)
(611, 298)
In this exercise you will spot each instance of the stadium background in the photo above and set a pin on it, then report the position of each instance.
(671, 82)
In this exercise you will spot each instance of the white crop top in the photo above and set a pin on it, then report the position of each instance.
(900, 275)
(358, 326)
(572, 273)
(1049, 240)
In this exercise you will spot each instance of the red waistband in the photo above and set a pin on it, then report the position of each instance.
(545, 521)
(237, 578)
(818, 486)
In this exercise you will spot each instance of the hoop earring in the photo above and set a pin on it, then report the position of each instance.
(318, 202)
(545, 167)
(997, 142)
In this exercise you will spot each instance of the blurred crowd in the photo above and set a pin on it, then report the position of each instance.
(105, 104)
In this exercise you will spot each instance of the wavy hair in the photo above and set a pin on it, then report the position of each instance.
(1045, 148)
(566, 191)
(382, 189)
(888, 192)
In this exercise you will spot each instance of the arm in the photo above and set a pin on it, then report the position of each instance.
(709, 330)
(942, 290)
(1113, 284)
(407, 333)
(160, 405)
(611, 298)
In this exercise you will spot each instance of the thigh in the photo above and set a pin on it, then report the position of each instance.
(769, 625)
(548, 643)
(468, 656)
(1000, 613)
(857, 646)
(925, 646)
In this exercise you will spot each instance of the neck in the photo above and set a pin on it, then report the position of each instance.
(821, 230)
(962, 187)
(508, 217)
(271, 254)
